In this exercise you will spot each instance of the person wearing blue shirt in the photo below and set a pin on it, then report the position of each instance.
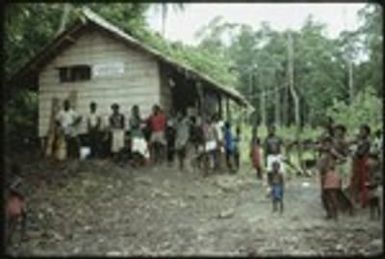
(229, 145)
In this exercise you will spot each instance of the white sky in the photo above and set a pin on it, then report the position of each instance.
(183, 25)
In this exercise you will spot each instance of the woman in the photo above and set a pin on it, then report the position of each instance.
(360, 166)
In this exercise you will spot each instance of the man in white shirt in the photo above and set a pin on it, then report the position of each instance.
(68, 121)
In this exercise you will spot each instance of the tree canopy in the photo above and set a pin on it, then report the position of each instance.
(255, 61)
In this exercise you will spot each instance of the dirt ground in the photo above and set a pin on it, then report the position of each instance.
(98, 208)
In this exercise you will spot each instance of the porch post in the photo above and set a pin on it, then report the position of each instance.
(228, 110)
(220, 106)
(200, 99)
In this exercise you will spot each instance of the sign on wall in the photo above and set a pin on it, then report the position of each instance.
(108, 69)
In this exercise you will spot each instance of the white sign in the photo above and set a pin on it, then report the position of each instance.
(109, 69)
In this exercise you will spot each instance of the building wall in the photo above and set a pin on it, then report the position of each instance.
(165, 90)
(138, 84)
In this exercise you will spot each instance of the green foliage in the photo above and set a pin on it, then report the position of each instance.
(232, 54)
(20, 120)
(366, 108)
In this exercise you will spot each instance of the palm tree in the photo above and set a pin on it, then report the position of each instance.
(64, 17)
(164, 8)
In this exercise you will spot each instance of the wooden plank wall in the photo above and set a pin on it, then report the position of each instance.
(140, 83)
(165, 91)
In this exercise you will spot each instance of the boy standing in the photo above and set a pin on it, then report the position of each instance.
(273, 149)
(277, 187)
(255, 153)
(158, 143)
(331, 185)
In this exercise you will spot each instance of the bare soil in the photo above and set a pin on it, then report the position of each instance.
(99, 208)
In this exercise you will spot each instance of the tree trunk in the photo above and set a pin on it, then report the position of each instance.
(262, 102)
(285, 105)
(351, 86)
(277, 106)
(164, 17)
(293, 92)
(64, 18)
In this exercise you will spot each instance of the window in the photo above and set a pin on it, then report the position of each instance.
(75, 73)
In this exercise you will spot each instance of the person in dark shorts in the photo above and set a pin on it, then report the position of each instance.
(277, 187)
(170, 134)
(229, 146)
(237, 140)
(182, 137)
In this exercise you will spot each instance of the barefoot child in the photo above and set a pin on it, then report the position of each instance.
(15, 207)
(277, 187)
(255, 154)
(331, 185)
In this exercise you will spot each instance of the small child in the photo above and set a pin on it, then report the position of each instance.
(331, 185)
(255, 155)
(277, 187)
(15, 206)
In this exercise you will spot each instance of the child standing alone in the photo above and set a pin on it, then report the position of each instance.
(277, 187)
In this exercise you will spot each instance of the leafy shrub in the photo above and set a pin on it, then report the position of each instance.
(366, 108)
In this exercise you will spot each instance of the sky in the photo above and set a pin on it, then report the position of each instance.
(182, 25)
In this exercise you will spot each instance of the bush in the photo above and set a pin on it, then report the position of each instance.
(366, 108)
(21, 121)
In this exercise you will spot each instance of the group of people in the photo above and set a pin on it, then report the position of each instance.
(160, 138)
(360, 158)
(338, 159)
(155, 139)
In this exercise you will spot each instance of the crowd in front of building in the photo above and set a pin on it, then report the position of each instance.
(153, 140)
(160, 138)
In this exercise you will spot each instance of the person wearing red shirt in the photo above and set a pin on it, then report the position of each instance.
(157, 123)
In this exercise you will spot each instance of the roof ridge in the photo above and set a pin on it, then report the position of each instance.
(87, 15)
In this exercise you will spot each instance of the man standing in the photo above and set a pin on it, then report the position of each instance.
(170, 134)
(182, 137)
(117, 130)
(273, 150)
(68, 121)
(93, 128)
(157, 139)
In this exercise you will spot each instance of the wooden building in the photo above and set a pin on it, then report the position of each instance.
(96, 61)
